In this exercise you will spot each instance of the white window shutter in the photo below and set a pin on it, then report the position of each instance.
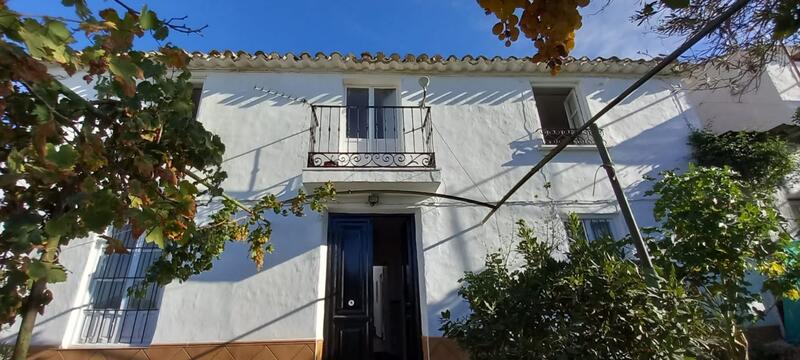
(572, 107)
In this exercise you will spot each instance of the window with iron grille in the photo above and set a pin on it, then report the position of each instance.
(594, 228)
(112, 316)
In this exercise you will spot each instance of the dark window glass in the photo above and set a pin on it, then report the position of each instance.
(598, 228)
(357, 113)
(550, 104)
(197, 94)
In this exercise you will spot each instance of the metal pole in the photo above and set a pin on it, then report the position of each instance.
(625, 207)
(707, 29)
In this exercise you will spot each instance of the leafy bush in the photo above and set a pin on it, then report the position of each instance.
(594, 304)
(715, 230)
(760, 158)
(6, 351)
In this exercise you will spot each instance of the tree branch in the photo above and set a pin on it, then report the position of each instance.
(238, 203)
(183, 28)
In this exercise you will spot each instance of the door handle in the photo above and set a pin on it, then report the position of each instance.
(351, 303)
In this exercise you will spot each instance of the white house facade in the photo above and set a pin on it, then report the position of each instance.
(413, 169)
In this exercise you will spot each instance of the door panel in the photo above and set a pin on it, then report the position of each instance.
(351, 264)
(355, 244)
(352, 340)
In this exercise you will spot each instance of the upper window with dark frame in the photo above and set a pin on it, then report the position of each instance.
(197, 95)
(560, 114)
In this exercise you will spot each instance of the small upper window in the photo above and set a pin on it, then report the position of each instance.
(559, 113)
(594, 228)
(197, 94)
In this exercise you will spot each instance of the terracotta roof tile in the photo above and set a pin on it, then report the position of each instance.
(380, 62)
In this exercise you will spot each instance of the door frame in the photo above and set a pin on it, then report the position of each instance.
(411, 241)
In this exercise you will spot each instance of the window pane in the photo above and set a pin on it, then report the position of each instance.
(598, 228)
(550, 105)
(385, 115)
(357, 113)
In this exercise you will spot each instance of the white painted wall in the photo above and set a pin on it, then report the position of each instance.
(773, 102)
(487, 136)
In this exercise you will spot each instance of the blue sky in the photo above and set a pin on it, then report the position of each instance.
(445, 27)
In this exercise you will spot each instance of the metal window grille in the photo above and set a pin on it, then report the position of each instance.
(111, 315)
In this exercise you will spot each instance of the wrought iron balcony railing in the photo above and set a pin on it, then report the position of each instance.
(555, 136)
(371, 136)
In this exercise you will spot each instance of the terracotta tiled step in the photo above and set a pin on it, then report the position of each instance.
(278, 350)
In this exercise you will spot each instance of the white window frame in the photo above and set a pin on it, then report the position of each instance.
(575, 117)
(359, 144)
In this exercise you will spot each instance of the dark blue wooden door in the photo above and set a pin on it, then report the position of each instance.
(350, 289)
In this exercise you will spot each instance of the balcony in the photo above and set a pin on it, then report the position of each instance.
(555, 136)
(371, 137)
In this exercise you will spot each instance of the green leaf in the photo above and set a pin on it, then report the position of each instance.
(156, 236)
(147, 18)
(136, 202)
(100, 210)
(58, 226)
(53, 273)
(58, 30)
(124, 67)
(48, 41)
(16, 161)
(33, 35)
(37, 269)
(56, 274)
(64, 157)
(41, 112)
(80, 7)
(8, 19)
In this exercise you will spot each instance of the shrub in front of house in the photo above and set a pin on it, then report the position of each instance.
(594, 302)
